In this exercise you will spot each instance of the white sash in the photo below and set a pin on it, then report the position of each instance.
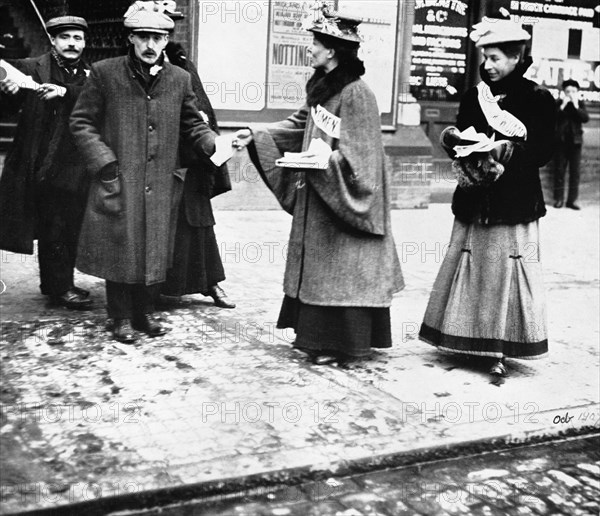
(326, 121)
(500, 120)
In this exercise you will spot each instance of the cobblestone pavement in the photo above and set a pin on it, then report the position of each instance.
(223, 397)
(550, 479)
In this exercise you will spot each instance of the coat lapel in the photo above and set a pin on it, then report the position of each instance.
(42, 70)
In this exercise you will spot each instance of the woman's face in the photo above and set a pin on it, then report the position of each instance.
(497, 64)
(320, 56)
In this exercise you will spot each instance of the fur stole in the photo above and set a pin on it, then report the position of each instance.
(322, 86)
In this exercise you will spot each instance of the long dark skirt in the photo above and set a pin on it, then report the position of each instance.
(349, 332)
(196, 261)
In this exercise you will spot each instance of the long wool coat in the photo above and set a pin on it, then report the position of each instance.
(127, 236)
(341, 249)
(60, 166)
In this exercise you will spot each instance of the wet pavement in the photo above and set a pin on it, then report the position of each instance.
(223, 401)
(557, 478)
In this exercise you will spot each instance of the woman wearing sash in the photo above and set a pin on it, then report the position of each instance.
(342, 268)
(488, 297)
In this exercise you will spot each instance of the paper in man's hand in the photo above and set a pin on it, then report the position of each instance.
(223, 149)
(10, 73)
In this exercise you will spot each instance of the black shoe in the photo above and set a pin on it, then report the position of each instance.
(498, 369)
(322, 359)
(219, 296)
(123, 332)
(72, 300)
(148, 325)
(573, 206)
(559, 204)
(81, 291)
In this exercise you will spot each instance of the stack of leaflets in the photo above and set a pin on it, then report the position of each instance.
(316, 156)
(471, 141)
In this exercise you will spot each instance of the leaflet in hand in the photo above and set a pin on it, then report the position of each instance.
(223, 149)
(9, 73)
(316, 156)
(475, 142)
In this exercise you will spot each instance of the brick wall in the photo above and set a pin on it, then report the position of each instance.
(28, 26)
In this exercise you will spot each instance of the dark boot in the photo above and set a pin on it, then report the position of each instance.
(219, 296)
(123, 331)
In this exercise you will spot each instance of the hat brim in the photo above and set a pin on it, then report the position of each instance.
(498, 40)
(148, 29)
(62, 28)
(349, 39)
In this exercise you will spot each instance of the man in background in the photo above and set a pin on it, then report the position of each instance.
(569, 139)
(44, 184)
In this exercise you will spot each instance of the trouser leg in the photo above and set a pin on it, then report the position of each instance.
(560, 165)
(574, 173)
(119, 300)
(60, 214)
(143, 298)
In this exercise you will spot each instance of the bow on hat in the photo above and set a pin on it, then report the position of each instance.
(492, 31)
(160, 6)
(333, 24)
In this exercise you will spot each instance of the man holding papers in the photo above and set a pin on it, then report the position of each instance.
(128, 123)
(326, 166)
(44, 183)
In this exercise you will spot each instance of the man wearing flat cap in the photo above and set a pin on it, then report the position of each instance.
(44, 184)
(127, 124)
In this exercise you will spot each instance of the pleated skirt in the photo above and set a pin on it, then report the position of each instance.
(347, 332)
(488, 298)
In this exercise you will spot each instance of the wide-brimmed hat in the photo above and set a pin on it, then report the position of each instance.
(61, 23)
(144, 16)
(493, 31)
(336, 25)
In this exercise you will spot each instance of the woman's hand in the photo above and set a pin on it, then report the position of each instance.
(242, 139)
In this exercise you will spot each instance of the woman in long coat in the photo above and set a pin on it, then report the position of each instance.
(488, 298)
(197, 265)
(342, 268)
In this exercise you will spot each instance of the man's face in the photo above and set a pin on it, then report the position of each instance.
(572, 92)
(69, 44)
(148, 45)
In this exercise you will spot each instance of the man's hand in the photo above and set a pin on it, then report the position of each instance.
(49, 91)
(9, 87)
(242, 139)
(574, 98)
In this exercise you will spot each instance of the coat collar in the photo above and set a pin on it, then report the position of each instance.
(43, 69)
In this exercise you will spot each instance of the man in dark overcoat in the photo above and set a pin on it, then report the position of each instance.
(127, 124)
(43, 188)
(571, 114)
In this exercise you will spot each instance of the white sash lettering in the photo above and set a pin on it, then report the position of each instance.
(326, 121)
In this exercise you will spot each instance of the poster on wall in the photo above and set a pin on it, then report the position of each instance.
(289, 57)
(379, 29)
(439, 53)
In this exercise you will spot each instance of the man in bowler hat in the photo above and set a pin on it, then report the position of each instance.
(44, 184)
